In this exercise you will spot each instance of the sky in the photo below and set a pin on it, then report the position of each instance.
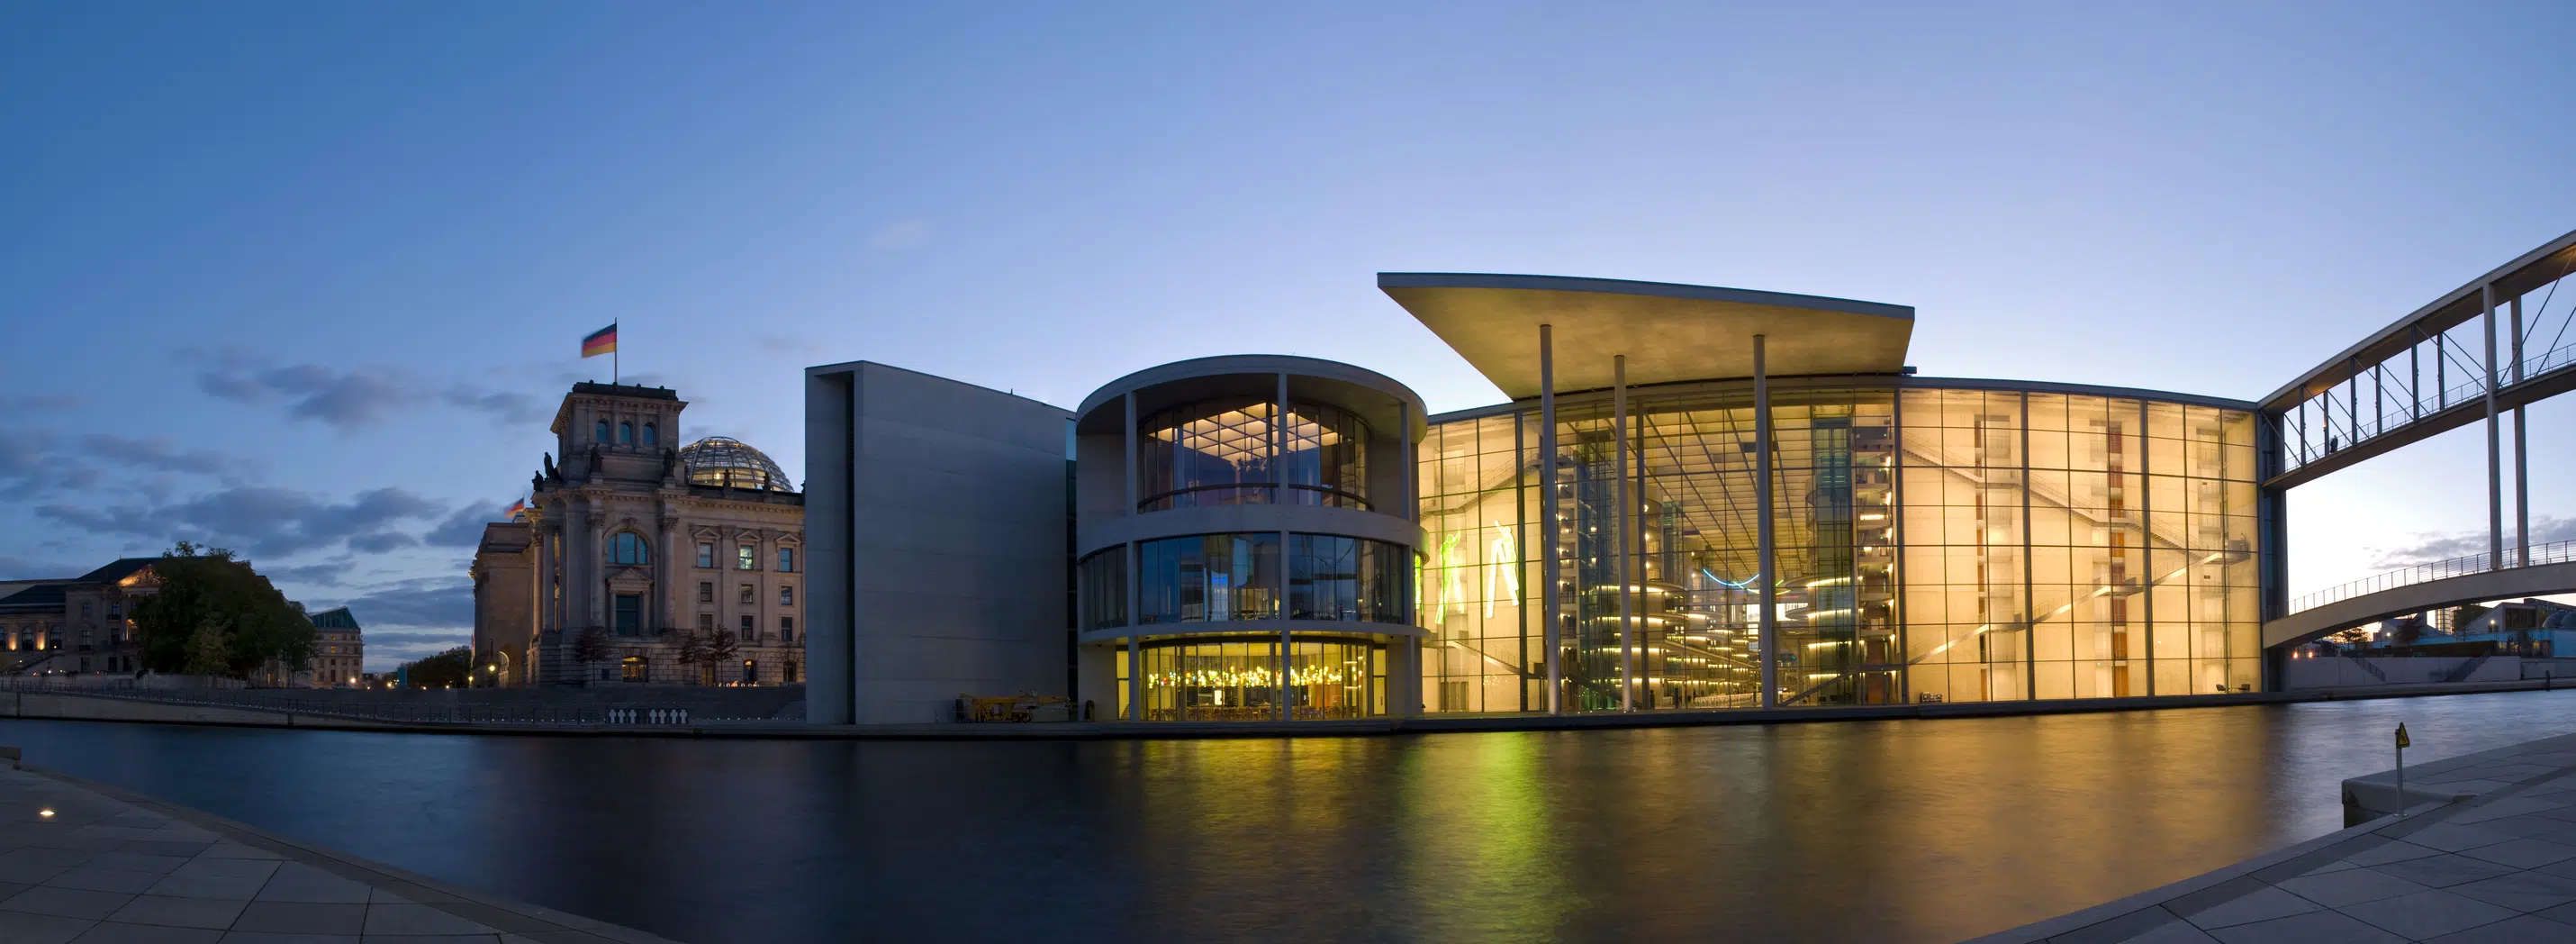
(307, 280)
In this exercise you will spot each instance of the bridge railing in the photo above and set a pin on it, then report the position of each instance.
(2554, 552)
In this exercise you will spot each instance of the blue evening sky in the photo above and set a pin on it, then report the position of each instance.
(307, 279)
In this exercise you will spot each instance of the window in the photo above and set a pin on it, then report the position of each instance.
(788, 675)
(706, 591)
(786, 560)
(745, 557)
(599, 433)
(652, 436)
(628, 548)
(84, 607)
(625, 434)
(632, 668)
(786, 595)
(746, 594)
(748, 631)
(1104, 588)
(787, 629)
(706, 622)
(1208, 578)
(629, 615)
(706, 554)
(750, 672)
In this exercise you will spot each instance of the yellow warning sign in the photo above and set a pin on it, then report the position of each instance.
(2401, 735)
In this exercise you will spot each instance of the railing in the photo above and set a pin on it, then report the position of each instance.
(2372, 417)
(2554, 552)
(278, 701)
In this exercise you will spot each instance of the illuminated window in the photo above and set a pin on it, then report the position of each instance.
(745, 558)
(632, 668)
(746, 595)
(750, 672)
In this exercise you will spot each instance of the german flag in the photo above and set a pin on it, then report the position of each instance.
(517, 510)
(602, 341)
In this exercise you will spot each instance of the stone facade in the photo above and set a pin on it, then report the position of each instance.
(654, 551)
(78, 625)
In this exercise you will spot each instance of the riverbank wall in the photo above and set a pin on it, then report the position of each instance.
(133, 709)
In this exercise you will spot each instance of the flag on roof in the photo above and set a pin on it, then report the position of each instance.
(602, 341)
(518, 510)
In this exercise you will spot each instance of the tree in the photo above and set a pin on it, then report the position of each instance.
(209, 599)
(693, 653)
(444, 670)
(590, 648)
(721, 651)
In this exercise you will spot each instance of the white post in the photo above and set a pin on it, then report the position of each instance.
(1619, 528)
(2495, 484)
(1762, 528)
(1548, 564)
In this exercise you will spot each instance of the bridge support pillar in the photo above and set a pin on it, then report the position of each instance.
(2495, 481)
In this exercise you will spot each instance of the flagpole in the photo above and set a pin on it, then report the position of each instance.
(615, 376)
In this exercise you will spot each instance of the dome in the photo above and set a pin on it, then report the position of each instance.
(724, 461)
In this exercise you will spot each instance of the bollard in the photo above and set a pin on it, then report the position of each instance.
(2401, 768)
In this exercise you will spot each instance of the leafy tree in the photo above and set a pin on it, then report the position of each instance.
(450, 668)
(721, 651)
(214, 614)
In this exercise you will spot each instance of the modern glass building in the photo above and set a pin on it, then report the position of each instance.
(1694, 498)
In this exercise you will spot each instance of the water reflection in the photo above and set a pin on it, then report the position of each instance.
(1895, 831)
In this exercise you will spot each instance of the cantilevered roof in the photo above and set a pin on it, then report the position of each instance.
(1669, 332)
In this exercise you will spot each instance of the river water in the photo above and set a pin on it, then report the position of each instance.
(1844, 831)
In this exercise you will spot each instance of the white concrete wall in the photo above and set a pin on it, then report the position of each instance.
(939, 554)
(2348, 672)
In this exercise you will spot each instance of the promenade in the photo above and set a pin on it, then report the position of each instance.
(2485, 853)
(84, 864)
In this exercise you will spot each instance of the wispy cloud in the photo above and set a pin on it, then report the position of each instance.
(2429, 546)
(262, 521)
(899, 234)
(349, 396)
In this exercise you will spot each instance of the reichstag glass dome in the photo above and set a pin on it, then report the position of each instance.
(724, 461)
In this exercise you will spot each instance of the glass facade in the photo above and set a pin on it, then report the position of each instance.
(1350, 579)
(1215, 578)
(1231, 452)
(1240, 680)
(1931, 544)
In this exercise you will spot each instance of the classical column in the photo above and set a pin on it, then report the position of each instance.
(1620, 528)
(666, 596)
(1767, 557)
(1548, 564)
(576, 550)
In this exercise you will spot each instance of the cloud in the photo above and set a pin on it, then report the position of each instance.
(436, 640)
(899, 234)
(349, 397)
(465, 527)
(259, 520)
(2430, 546)
(19, 568)
(323, 574)
(161, 454)
(43, 403)
(36, 463)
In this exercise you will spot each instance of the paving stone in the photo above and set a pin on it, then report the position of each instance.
(2443, 871)
(296, 881)
(229, 868)
(2262, 904)
(41, 929)
(2521, 930)
(412, 919)
(2397, 851)
(2523, 853)
(290, 917)
(2521, 891)
(179, 912)
(236, 888)
(2453, 838)
(2308, 928)
(2427, 913)
(111, 932)
(184, 849)
(228, 849)
(265, 937)
(2337, 889)
(137, 862)
(97, 879)
(66, 902)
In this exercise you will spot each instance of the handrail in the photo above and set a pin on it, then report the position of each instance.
(2554, 552)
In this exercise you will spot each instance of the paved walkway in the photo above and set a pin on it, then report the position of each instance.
(87, 864)
(2485, 853)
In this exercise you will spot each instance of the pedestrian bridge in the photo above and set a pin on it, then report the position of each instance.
(2434, 586)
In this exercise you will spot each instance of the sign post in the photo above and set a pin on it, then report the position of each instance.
(2401, 768)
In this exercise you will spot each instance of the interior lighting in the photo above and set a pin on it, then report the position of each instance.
(45, 813)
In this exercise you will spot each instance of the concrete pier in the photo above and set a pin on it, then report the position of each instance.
(85, 862)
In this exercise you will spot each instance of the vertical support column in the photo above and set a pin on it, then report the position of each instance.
(1770, 627)
(2521, 460)
(2029, 599)
(2495, 482)
(1621, 525)
(666, 596)
(1286, 642)
(1279, 494)
(1135, 677)
(2415, 374)
(1130, 464)
(1896, 531)
(1547, 526)
(1135, 578)
(1520, 554)
(577, 542)
(2147, 538)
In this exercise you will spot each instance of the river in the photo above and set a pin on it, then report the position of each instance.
(1899, 831)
